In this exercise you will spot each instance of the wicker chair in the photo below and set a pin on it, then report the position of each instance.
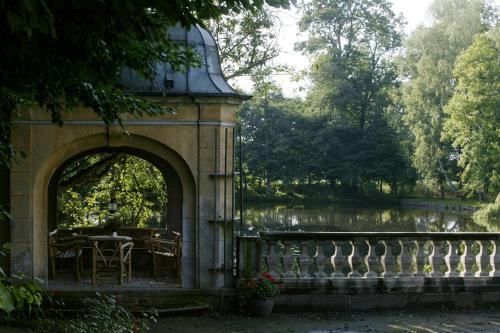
(67, 248)
(116, 259)
(167, 249)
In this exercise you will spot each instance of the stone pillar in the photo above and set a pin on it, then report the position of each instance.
(216, 213)
(21, 231)
(4, 222)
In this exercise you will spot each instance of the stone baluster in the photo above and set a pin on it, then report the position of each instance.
(467, 259)
(495, 259)
(338, 260)
(388, 260)
(273, 259)
(420, 258)
(482, 258)
(355, 260)
(304, 260)
(452, 258)
(405, 259)
(288, 261)
(436, 259)
(320, 260)
(371, 259)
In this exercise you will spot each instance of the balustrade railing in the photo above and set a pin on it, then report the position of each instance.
(334, 256)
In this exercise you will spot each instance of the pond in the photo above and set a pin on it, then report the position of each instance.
(342, 217)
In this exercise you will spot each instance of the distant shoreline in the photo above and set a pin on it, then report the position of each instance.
(422, 203)
(438, 205)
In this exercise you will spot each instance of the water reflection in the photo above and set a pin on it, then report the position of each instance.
(342, 218)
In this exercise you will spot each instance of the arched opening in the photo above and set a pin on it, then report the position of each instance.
(122, 176)
(180, 214)
(94, 189)
(122, 191)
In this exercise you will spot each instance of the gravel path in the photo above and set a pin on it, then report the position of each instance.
(429, 321)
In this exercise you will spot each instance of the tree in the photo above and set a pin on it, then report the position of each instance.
(353, 75)
(351, 42)
(429, 59)
(267, 123)
(247, 41)
(90, 183)
(473, 123)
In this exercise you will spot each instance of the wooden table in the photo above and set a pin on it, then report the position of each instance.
(107, 257)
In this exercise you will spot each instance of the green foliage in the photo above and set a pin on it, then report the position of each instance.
(137, 187)
(490, 214)
(474, 117)
(351, 42)
(342, 133)
(105, 314)
(357, 131)
(279, 142)
(17, 292)
(247, 41)
(286, 149)
(429, 59)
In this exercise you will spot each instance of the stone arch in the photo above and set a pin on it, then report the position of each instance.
(162, 156)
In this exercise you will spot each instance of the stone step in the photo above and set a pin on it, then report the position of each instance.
(164, 301)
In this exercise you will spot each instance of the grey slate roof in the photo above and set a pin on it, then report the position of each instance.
(206, 80)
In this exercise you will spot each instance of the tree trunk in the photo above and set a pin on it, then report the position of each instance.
(268, 186)
(448, 181)
(96, 170)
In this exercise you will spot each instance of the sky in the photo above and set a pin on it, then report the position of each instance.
(414, 11)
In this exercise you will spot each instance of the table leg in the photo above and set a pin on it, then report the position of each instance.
(77, 263)
(94, 264)
(121, 263)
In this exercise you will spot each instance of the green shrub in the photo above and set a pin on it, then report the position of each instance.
(490, 214)
(106, 314)
(17, 292)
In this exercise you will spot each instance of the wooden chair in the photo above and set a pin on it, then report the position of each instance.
(116, 259)
(169, 249)
(67, 248)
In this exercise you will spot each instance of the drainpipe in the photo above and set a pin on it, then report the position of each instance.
(197, 220)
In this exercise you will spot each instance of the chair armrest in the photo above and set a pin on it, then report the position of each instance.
(163, 247)
(72, 243)
(162, 242)
(127, 245)
(126, 250)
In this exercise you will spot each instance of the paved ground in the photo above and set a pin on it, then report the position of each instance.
(428, 321)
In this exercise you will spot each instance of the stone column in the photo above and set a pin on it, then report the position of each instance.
(21, 196)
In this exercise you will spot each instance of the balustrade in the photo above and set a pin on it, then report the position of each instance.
(344, 255)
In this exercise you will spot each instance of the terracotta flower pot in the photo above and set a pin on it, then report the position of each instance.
(260, 307)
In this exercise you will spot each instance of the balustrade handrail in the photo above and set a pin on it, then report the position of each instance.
(304, 236)
(307, 256)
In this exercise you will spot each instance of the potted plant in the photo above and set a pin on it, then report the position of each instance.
(258, 295)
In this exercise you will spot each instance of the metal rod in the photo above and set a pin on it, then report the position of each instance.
(242, 174)
(233, 209)
(198, 217)
(215, 197)
(225, 202)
